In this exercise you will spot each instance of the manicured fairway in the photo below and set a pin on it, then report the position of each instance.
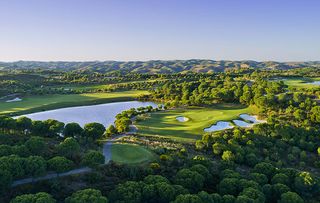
(47, 102)
(165, 123)
(130, 154)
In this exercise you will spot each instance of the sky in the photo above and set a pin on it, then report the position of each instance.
(85, 30)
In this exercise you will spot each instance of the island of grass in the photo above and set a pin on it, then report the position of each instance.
(130, 154)
(31, 104)
(165, 124)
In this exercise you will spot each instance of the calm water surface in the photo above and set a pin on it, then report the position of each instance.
(101, 113)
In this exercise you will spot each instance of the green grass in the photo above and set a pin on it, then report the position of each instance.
(164, 123)
(130, 154)
(31, 104)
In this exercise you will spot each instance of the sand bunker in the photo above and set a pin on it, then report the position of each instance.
(14, 100)
(182, 119)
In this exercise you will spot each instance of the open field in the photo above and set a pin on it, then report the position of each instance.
(32, 104)
(130, 154)
(165, 124)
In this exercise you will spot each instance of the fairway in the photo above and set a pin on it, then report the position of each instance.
(130, 154)
(301, 82)
(165, 124)
(32, 104)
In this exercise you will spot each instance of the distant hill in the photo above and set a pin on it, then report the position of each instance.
(156, 66)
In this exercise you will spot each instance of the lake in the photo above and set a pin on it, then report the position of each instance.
(101, 113)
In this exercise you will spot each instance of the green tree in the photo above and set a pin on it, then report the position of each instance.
(188, 198)
(306, 183)
(13, 164)
(69, 148)
(24, 123)
(265, 168)
(87, 196)
(259, 178)
(280, 178)
(290, 197)
(254, 194)
(59, 164)
(228, 156)
(5, 179)
(229, 186)
(111, 130)
(129, 191)
(189, 179)
(94, 130)
(72, 130)
(36, 145)
(35, 166)
(54, 127)
(40, 197)
(93, 158)
(152, 179)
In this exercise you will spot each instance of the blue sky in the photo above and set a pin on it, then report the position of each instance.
(81, 30)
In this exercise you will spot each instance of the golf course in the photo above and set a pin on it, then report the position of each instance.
(36, 103)
(165, 123)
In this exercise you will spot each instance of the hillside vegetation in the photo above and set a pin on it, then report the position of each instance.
(156, 66)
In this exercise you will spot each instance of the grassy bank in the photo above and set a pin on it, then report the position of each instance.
(164, 123)
(32, 104)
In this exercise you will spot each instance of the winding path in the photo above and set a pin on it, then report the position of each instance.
(51, 176)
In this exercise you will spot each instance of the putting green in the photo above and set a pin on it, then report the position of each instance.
(130, 154)
(165, 124)
(31, 104)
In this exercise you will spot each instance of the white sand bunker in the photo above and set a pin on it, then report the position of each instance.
(253, 119)
(14, 100)
(241, 123)
(182, 119)
(221, 125)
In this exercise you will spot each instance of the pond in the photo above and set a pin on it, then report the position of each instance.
(220, 125)
(182, 119)
(101, 113)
